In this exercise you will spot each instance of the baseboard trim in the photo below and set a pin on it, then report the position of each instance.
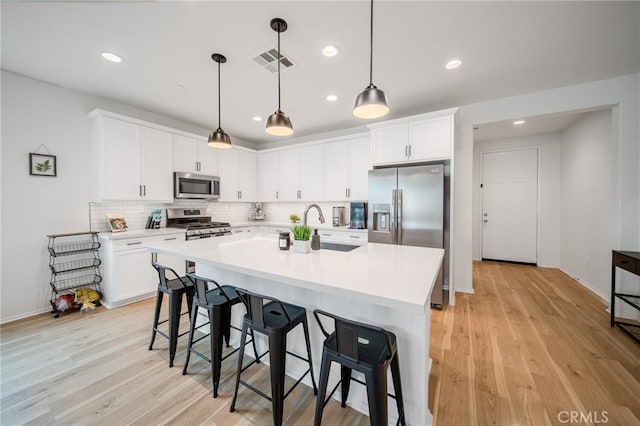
(465, 290)
(586, 285)
(25, 315)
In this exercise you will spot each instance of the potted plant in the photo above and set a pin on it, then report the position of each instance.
(301, 235)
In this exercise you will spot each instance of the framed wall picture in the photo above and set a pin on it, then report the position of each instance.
(42, 164)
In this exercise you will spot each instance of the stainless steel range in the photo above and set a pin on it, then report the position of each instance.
(196, 224)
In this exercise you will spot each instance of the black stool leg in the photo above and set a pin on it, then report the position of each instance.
(322, 390)
(345, 384)
(192, 329)
(175, 306)
(156, 318)
(277, 354)
(255, 349)
(243, 337)
(306, 338)
(377, 396)
(397, 387)
(215, 341)
(226, 325)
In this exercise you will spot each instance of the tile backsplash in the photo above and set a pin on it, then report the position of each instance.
(136, 213)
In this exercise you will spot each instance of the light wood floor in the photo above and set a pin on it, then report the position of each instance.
(530, 344)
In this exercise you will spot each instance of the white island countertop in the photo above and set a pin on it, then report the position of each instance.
(398, 277)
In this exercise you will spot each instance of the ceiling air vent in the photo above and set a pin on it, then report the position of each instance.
(268, 60)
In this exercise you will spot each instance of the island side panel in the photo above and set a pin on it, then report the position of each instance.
(411, 329)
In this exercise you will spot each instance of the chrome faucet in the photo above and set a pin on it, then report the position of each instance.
(306, 211)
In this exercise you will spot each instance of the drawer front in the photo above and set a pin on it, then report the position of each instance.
(136, 243)
(625, 262)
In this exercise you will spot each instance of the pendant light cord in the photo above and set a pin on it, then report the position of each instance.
(279, 29)
(371, 48)
(219, 95)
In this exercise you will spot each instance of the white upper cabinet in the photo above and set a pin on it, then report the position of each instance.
(133, 162)
(346, 169)
(288, 175)
(291, 174)
(268, 176)
(156, 165)
(310, 173)
(194, 156)
(428, 137)
(238, 176)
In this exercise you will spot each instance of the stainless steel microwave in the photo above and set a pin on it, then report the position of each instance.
(194, 186)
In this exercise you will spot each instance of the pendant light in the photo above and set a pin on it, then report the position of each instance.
(278, 123)
(371, 102)
(218, 138)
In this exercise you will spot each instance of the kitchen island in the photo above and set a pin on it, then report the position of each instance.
(384, 285)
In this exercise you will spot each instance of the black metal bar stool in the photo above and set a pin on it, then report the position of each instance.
(174, 288)
(218, 301)
(369, 350)
(275, 319)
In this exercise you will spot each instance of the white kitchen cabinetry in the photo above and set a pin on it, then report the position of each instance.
(127, 271)
(133, 162)
(428, 137)
(346, 169)
(292, 174)
(194, 156)
(238, 174)
(269, 176)
(244, 230)
(347, 237)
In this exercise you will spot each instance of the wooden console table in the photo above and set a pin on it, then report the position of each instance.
(629, 261)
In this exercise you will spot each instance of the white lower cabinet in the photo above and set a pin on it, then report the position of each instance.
(244, 230)
(127, 272)
(346, 237)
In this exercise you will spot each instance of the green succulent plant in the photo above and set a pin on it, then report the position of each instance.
(301, 232)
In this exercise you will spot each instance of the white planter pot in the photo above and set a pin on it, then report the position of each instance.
(300, 246)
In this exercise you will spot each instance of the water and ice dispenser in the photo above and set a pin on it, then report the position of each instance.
(381, 218)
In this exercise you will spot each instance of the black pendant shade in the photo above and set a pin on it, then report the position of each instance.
(371, 102)
(279, 123)
(218, 138)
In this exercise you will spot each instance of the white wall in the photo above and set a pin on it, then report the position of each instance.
(588, 222)
(620, 92)
(34, 113)
(549, 195)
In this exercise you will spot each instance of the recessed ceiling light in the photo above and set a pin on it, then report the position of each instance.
(256, 118)
(518, 122)
(112, 57)
(330, 51)
(453, 64)
(332, 98)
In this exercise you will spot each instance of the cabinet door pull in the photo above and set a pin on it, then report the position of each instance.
(409, 150)
(354, 236)
(326, 235)
(346, 192)
(144, 192)
(169, 239)
(277, 195)
(134, 244)
(299, 194)
(140, 190)
(349, 192)
(406, 151)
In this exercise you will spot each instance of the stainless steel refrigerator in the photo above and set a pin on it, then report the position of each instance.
(406, 207)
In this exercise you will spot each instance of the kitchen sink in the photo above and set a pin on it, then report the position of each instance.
(337, 247)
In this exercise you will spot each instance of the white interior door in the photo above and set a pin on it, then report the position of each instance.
(510, 205)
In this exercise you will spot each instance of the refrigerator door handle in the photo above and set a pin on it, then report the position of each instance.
(392, 225)
(399, 217)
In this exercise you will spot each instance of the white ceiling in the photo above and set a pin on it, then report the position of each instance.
(507, 48)
(532, 126)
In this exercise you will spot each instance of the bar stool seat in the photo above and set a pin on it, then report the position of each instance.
(175, 288)
(217, 300)
(274, 319)
(369, 350)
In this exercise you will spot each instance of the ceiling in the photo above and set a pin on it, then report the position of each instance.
(507, 48)
(531, 126)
